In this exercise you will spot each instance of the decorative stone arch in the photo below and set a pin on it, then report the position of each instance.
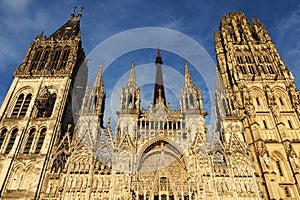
(240, 161)
(3, 133)
(15, 177)
(10, 139)
(29, 138)
(176, 152)
(282, 98)
(57, 160)
(27, 177)
(40, 138)
(280, 165)
(258, 98)
(26, 91)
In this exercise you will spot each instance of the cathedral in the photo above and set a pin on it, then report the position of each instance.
(156, 153)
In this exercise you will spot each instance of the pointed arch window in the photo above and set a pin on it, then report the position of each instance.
(21, 105)
(55, 58)
(192, 101)
(64, 57)
(59, 163)
(25, 105)
(44, 58)
(11, 140)
(251, 69)
(29, 140)
(16, 178)
(36, 58)
(279, 167)
(41, 139)
(2, 136)
(266, 59)
(270, 68)
(243, 69)
(18, 105)
(240, 60)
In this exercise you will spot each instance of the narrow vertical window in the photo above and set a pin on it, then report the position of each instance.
(25, 105)
(44, 58)
(251, 69)
(36, 58)
(152, 125)
(29, 141)
(178, 125)
(55, 58)
(266, 59)
(257, 101)
(2, 136)
(18, 105)
(259, 60)
(11, 140)
(265, 124)
(287, 192)
(243, 69)
(41, 140)
(279, 167)
(281, 101)
(270, 68)
(192, 101)
(290, 124)
(170, 125)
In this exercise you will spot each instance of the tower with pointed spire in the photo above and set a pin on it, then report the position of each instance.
(37, 110)
(48, 152)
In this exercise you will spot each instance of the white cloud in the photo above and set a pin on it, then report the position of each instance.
(287, 35)
(15, 5)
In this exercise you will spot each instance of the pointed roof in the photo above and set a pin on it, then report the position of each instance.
(187, 75)
(159, 89)
(70, 29)
(132, 80)
(158, 59)
(99, 80)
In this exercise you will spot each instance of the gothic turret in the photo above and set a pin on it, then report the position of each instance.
(130, 95)
(191, 99)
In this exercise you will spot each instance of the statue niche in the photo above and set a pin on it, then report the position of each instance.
(45, 103)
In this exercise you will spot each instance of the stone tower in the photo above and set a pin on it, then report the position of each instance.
(255, 88)
(37, 109)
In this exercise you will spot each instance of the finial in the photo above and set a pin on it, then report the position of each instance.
(187, 74)
(80, 12)
(69, 127)
(158, 50)
(132, 64)
(73, 13)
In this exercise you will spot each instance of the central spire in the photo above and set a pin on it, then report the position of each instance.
(159, 90)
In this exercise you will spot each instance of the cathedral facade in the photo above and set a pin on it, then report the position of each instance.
(154, 153)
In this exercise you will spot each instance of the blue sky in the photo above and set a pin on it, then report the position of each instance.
(22, 20)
